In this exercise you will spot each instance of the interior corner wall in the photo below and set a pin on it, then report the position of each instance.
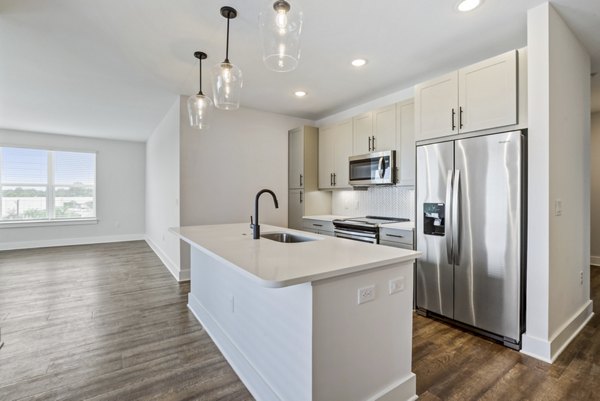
(595, 188)
(162, 191)
(558, 302)
(223, 167)
(119, 193)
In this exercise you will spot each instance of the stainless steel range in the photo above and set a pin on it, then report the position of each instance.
(364, 229)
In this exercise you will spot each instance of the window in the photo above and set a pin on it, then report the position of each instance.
(46, 185)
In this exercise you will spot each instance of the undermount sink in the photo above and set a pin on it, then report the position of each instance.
(287, 238)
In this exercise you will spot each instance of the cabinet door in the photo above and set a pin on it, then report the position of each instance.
(362, 133)
(343, 150)
(295, 209)
(384, 129)
(405, 139)
(296, 158)
(326, 157)
(488, 93)
(436, 110)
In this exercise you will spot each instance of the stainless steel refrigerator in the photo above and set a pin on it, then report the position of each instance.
(470, 205)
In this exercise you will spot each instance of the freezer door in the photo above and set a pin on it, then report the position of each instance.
(487, 236)
(435, 165)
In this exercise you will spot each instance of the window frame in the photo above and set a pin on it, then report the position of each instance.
(50, 186)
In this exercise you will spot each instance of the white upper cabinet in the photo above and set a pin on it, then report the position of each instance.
(487, 93)
(405, 139)
(326, 157)
(436, 107)
(335, 147)
(478, 97)
(374, 131)
(363, 133)
(342, 151)
(296, 158)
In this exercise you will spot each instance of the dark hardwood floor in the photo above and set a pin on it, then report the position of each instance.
(103, 322)
(108, 322)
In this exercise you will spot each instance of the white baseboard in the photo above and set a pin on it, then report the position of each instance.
(404, 389)
(549, 350)
(595, 260)
(7, 246)
(168, 262)
(251, 378)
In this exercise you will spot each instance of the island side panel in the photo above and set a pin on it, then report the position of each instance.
(264, 333)
(363, 352)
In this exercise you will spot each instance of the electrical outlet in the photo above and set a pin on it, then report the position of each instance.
(396, 285)
(366, 294)
(581, 277)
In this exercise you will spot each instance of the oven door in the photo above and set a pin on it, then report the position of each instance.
(361, 236)
(373, 168)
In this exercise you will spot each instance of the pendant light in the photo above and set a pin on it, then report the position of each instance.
(200, 106)
(280, 29)
(227, 77)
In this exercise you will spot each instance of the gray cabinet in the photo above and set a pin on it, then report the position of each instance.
(304, 198)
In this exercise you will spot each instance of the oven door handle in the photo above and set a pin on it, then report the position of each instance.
(356, 238)
(355, 233)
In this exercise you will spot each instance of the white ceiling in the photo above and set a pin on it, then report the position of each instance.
(112, 68)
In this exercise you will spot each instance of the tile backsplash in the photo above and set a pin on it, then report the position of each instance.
(375, 201)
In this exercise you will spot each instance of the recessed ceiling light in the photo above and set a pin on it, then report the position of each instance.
(468, 5)
(300, 93)
(359, 62)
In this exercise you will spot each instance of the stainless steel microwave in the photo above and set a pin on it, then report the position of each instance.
(373, 169)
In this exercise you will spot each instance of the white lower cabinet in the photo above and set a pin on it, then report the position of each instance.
(319, 227)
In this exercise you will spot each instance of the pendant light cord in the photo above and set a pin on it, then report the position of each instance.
(200, 75)
(227, 45)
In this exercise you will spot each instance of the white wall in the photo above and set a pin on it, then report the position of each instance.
(162, 190)
(120, 178)
(224, 167)
(595, 188)
(558, 301)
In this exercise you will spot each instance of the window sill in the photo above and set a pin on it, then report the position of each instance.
(45, 223)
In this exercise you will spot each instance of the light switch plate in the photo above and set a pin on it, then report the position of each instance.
(396, 285)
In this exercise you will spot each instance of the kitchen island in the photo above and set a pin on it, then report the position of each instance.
(325, 319)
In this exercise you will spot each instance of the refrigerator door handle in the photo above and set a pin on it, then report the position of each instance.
(448, 215)
(456, 217)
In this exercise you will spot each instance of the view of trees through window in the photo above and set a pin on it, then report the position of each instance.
(38, 184)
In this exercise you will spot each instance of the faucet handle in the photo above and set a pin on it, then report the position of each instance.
(251, 222)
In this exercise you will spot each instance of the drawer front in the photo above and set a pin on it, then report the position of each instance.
(396, 235)
(319, 225)
(396, 244)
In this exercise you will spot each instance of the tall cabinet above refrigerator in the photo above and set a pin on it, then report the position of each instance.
(470, 227)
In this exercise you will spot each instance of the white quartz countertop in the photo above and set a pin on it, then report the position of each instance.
(325, 217)
(405, 225)
(274, 264)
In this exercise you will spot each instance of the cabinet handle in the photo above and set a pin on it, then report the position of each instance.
(301, 180)
(373, 142)
(453, 114)
(334, 179)
(331, 179)
(317, 225)
(370, 144)
(460, 114)
(300, 196)
(395, 235)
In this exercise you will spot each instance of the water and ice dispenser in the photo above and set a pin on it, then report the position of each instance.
(434, 218)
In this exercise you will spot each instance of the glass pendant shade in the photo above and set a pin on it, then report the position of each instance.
(200, 107)
(200, 111)
(227, 86)
(280, 29)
